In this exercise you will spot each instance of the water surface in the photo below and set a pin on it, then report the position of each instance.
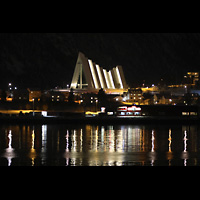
(91, 145)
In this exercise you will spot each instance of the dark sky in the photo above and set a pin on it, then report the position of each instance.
(45, 60)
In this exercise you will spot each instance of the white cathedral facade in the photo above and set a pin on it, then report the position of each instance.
(91, 77)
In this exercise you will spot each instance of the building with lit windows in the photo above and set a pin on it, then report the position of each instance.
(134, 96)
(125, 111)
(90, 77)
(192, 78)
(34, 94)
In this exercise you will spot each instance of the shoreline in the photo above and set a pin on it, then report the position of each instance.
(100, 120)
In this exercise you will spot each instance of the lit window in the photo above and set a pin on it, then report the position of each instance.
(137, 113)
(109, 113)
(193, 113)
(129, 113)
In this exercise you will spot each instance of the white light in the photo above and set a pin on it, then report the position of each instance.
(93, 74)
(73, 85)
(109, 113)
(119, 77)
(10, 139)
(106, 77)
(44, 113)
(103, 109)
(185, 141)
(152, 139)
(100, 75)
(111, 80)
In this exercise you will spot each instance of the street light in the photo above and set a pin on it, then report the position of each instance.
(96, 105)
(33, 108)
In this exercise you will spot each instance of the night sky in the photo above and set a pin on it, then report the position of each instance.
(47, 60)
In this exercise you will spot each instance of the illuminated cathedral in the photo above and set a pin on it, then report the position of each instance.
(89, 76)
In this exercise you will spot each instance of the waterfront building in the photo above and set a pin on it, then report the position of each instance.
(151, 90)
(134, 96)
(191, 78)
(128, 111)
(89, 99)
(21, 95)
(56, 96)
(34, 94)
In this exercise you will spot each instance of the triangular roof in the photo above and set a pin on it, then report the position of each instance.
(96, 77)
(82, 66)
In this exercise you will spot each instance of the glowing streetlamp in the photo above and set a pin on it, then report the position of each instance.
(33, 108)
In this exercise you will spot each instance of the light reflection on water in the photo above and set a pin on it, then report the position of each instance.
(89, 145)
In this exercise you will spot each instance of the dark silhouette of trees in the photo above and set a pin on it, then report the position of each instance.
(102, 98)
